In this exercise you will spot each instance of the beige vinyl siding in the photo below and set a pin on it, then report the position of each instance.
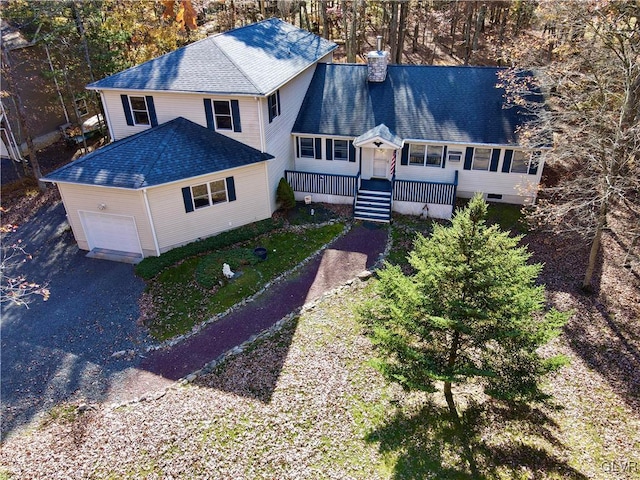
(515, 188)
(117, 201)
(336, 167)
(175, 227)
(278, 132)
(190, 106)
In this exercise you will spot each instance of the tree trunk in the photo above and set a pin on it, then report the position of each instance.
(451, 363)
(393, 31)
(22, 120)
(325, 20)
(595, 247)
(402, 27)
(467, 33)
(353, 34)
(479, 26)
(448, 395)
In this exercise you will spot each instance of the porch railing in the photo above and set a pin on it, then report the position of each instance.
(327, 183)
(425, 192)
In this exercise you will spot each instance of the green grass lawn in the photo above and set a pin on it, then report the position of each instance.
(195, 289)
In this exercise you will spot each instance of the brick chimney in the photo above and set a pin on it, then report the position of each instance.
(377, 63)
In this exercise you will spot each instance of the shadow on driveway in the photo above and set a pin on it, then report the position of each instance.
(61, 349)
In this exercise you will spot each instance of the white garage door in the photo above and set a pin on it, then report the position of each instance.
(111, 232)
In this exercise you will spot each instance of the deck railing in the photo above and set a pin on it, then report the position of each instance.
(327, 183)
(425, 192)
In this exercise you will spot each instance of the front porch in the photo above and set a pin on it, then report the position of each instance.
(375, 199)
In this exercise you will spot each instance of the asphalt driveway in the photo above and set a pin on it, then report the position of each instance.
(61, 349)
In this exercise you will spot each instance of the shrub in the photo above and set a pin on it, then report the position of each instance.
(151, 266)
(285, 195)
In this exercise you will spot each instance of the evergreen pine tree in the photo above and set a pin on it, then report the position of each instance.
(472, 309)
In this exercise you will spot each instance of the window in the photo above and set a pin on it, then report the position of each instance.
(209, 194)
(454, 155)
(520, 162)
(429, 155)
(434, 155)
(273, 102)
(307, 147)
(340, 150)
(481, 158)
(416, 154)
(81, 106)
(139, 110)
(222, 113)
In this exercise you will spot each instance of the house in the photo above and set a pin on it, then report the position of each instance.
(49, 104)
(203, 135)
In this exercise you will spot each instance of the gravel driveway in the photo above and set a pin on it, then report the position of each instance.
(61, 350)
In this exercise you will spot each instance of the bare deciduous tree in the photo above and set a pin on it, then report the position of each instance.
(593, 110)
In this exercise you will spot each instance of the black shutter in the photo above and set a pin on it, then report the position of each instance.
(188, 202)
(278, 96)
(270, 107)
(297, 139)
(231, 189)
(468, 158)
(495, 156)
(329, 144)
(152, 111)
(127, 109)
(506, 165)
(404, 158)
(444, 156)
(208, 113)
(352, 152)
(533, 164)
(318, 149)
(235, 110)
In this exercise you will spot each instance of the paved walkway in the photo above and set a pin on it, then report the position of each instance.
(353, 253)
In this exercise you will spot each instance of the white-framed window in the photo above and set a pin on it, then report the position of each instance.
(481, 158)
(207, 194)
(139, 110)
(341, 150)
(307, 147)
(416, 154)
(222, 114)
(273, 102)
(81, 106)
(520, 162)
(429, 155)
(434, 155)
(454, 155)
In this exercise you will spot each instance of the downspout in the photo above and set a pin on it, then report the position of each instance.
(263, 142)
(107, 117)
(263, 149)
(153, 227)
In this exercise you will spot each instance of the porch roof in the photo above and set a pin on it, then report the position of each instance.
(380, 133)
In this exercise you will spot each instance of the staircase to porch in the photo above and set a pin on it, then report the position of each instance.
(373, 201)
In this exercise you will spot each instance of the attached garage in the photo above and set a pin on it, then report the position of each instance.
(111, 232)
(162, 188)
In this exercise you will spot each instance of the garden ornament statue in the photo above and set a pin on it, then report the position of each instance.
(226, 270)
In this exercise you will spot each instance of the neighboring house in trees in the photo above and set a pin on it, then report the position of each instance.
(202, 136)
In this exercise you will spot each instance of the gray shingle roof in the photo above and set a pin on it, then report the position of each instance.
(173, 151)
(439, 103)
(251, 60)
